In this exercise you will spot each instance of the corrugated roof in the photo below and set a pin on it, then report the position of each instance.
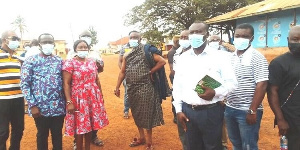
(256, 9)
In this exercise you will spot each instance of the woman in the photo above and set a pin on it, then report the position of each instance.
(85, 105)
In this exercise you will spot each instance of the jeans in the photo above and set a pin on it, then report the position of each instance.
(126, 102)
(11, 112)
(55, 125)
(204, 128)
(242, 135)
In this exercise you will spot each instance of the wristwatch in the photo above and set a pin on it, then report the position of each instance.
(251, 112)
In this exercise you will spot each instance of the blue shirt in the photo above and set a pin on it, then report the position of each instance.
(41, 84)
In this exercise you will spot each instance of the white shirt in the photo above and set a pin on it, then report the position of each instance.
(176, 56)
(191, 68)
(32, 51)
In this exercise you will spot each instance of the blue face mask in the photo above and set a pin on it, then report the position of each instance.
(196, 40)
(82, 54)
(47, 49)
(184, 43)
(214, 45)
(133, 43)
(13, 45)
(241, 43)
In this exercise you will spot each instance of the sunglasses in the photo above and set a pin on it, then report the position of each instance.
(14, 38)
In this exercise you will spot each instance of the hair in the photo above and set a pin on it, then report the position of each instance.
(85, 32)
(39, 39)
(34, 42)
(26, 44)
(77, 42)
(246, 26)
(134, 31)
(205, 24)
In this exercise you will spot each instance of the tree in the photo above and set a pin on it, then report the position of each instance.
(172, 16)
(94, 36)
(19, 24)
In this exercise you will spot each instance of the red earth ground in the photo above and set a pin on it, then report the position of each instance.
(120, 132)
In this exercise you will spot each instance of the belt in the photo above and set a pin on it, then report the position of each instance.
(202, 107)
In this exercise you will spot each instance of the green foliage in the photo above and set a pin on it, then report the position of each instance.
(169, 17)
(19, 24)
(94, 36)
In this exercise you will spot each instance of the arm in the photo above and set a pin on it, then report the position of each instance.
(120, 60)
(67, 78)
(273, 99)
(160, 62)
(120, 78)
(98, 83)
(170, 62)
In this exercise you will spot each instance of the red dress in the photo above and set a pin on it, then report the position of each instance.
(88, 101)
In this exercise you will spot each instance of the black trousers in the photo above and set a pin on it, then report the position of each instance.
(11, 112)
(173, 108)
(55, 125)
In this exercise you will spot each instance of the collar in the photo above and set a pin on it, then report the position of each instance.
(207, 50)
(246, 53)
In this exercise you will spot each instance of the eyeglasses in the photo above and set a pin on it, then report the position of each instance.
(14, 38)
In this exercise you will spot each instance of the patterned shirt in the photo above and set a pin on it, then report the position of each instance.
(250, 68)
(9, 76)
(41, 84)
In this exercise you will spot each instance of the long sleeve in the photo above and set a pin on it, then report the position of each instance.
(177, 90)
(26, 82)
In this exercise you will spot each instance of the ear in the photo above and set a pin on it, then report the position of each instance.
(252, 38)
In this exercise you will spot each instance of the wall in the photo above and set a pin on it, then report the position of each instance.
(274, 32)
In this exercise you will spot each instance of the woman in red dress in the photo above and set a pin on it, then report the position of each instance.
(85, 105)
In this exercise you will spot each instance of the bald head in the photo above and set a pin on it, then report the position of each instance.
(294, 40)
(295, 31)
(7, 34)
(184, 35)
(214, 38)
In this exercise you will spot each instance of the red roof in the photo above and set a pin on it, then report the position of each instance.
(122, 41)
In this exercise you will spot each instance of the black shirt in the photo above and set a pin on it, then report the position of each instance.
(284, 71)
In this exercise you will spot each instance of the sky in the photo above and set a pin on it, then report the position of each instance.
(66, 19)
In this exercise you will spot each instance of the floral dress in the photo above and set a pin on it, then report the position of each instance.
(89, 113)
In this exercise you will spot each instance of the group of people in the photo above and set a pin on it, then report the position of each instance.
(70, 90)
(56, 91)
(245, 77)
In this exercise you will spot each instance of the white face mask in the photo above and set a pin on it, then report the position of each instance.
(13, 45)
(241, 43)
(82, 54)
(184, 43)
(47, 49)
(214, 45)
(87, 39)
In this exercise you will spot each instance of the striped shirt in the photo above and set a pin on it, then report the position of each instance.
(9, 76)
(250, 68)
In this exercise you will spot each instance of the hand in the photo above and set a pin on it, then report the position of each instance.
(209, 93)
(182, 119)
(283, 126)
(251, 119)
(151, 76)
(71, 108)
(117, 92)
(35, 111)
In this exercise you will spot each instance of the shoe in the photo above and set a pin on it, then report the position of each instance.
(175, 120)
(97, 142)
(137, 142)
(126, 115)
(74, 146)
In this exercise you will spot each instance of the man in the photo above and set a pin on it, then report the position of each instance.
(215, 42)
(34, 48)
(184, 46)
(143, 95)
(243, 112)
(170, 56)
(283, 91)
(201, 115)
(41, 84)
(120, 60)
(26, 48)
(11, 97)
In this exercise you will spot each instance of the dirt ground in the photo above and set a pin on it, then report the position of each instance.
(120, 132)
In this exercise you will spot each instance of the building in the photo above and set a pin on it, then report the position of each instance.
(271, 20)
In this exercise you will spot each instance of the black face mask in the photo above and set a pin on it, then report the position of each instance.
(294, 48)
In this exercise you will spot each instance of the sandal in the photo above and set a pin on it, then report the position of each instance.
(149, 147)
(126, 115)
(137, 142)
(97, 142)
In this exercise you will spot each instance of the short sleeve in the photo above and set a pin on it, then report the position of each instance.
(68, 66)
(275, 73)
(260, 68)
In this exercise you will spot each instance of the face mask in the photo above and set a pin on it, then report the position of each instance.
(87, 39)
(82, 54)
(196, 40)
(27, 48)
(214, 45)
(241, 43)
(133, 43)
(294, 48)
(13, 45)
(47, 49)
(184, 43)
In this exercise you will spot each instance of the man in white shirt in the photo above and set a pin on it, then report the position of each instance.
(243, 112)
(201, 115)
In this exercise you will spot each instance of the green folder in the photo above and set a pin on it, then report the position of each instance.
(207, 81)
